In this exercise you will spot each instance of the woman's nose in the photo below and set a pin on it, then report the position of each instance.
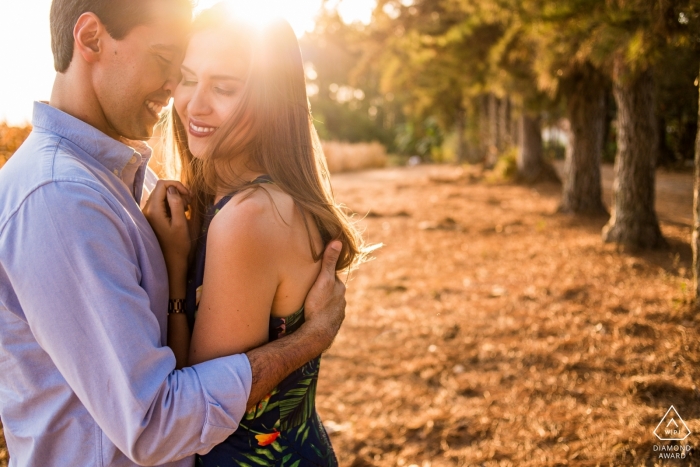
(199, 104)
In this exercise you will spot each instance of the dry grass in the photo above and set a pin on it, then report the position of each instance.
(491, 331)
(10, 139)
(349, 157)
(340, 157)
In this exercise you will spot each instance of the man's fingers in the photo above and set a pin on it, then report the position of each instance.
(180, 187)
(177, 208)
(330, 257)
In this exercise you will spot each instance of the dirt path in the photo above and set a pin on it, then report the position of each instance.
(490, 331)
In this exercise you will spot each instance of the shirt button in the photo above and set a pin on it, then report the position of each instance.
(116, 172)
(133, 160)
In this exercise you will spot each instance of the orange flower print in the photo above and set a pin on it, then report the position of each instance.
(263, 403)
(267, 439)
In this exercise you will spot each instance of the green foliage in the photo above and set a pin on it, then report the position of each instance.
(421, 64)
(346, 105)
(506, 167)
(424, 140)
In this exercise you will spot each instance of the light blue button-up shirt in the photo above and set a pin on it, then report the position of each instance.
(85, 376)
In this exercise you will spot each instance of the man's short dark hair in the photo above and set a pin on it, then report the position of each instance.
(118, 16)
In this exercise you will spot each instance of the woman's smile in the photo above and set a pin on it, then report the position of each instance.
(200, 130)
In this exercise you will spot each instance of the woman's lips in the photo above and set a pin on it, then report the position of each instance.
(201, 130)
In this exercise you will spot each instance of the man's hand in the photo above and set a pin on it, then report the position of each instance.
(324, 309)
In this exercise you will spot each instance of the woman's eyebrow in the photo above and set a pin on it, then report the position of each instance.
(215, 77)
(226, 78)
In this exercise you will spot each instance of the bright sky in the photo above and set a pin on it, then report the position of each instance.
(25, 43)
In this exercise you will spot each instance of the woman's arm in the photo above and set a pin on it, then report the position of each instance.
(245, 243)
(170, 226)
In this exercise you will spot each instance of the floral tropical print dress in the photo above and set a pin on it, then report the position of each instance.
(283, 430)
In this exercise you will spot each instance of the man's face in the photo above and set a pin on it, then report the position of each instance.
(139, 73)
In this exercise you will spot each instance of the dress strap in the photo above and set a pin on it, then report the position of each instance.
(262, 179)
(258, 181)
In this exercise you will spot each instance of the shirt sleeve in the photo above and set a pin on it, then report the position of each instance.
(75, 271)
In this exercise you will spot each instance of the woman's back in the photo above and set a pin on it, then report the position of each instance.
(284, 428)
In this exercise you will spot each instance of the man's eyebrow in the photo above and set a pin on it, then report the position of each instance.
(215, 77)
(165, 48)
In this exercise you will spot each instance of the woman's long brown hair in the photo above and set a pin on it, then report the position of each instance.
(273, 128)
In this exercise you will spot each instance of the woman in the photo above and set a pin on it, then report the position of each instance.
(262, 206)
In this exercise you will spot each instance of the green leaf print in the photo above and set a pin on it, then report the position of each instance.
(277, 447)
(298, 406)
(300, 429)
(296, 464)
(266, 453)
(294, 319)
(257, 460)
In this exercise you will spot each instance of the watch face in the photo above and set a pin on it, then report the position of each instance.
(176, 306)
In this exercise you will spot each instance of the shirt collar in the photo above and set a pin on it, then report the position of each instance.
(113, 154)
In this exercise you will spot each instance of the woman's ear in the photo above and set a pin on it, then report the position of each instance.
(88, 34)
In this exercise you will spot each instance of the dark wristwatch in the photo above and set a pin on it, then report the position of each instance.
(176, 306)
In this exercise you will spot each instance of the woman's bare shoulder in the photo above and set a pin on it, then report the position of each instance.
(264, 212)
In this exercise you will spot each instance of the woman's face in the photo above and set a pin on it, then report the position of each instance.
(213, 74)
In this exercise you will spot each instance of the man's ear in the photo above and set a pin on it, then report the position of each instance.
(88, 35)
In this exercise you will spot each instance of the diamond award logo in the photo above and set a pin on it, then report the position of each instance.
(672, 427)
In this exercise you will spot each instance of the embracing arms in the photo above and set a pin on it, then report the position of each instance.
(272, 362)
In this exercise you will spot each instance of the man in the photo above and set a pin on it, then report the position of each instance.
(86, 378)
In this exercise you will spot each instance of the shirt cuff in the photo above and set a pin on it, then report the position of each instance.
(226, 384)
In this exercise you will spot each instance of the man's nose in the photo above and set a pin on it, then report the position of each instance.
(172, 82)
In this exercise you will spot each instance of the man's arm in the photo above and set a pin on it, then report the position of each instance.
(324, 311)
(73, 265)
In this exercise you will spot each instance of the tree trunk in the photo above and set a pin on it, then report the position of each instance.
(514, 127)
(492, 145)
(696, 216)
(483, 127)
(459, 128)
(504, 139)
(530, 151)
(633, 222)
(586, 107)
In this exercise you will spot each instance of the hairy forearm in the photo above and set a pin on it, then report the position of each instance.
(273, 362)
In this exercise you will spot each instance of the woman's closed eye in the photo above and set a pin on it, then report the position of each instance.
(224, 91)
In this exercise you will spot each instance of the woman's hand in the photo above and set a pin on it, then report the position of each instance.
(165, 211)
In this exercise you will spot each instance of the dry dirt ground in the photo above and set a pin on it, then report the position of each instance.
(490, 330)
